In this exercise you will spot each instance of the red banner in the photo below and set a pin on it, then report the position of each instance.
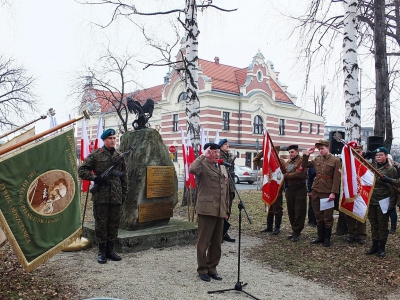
(357, 184)
(272, 173)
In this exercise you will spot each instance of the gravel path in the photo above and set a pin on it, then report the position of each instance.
(170, 273)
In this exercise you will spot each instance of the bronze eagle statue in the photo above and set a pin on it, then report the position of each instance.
(143, 112)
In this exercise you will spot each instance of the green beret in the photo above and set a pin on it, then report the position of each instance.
(221, 142)
(107, 133)
(381, 149)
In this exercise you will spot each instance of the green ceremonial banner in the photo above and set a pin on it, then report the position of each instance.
(39, 199)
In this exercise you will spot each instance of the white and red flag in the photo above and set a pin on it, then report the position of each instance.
(99, 142)
(84, 152)
(216, 141)
(272, 173)
(357, 184)
(185, 158)
(190, 158)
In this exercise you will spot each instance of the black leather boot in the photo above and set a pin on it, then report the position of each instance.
(327, 239)
(270, 223)
(277, 229)
(381, 249)
(374, 248)
(321, 235)
(101, 258)
(110, 252)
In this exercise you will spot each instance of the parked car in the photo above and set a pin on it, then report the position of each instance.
(245, 174)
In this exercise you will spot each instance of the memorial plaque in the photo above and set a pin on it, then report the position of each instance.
(160, 181)
(155, 211)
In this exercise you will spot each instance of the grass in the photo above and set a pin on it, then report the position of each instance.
(342, 266)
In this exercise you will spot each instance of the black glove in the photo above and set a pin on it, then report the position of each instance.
(100, 180)
(386, 179)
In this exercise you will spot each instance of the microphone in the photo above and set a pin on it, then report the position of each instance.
(221, 162)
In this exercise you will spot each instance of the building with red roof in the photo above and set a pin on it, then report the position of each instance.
(237, 102)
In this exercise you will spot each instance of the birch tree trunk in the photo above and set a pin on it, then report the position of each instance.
(350, 69)
(383, 123)
(192, 78)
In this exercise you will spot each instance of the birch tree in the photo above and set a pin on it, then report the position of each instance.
(351, 71)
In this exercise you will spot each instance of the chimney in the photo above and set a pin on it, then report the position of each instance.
(216, 60)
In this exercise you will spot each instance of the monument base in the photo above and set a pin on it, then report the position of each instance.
(176, 232)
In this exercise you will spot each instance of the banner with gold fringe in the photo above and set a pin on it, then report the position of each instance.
(40, 199)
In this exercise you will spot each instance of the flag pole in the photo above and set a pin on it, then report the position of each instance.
(38, 136)
(23, 126)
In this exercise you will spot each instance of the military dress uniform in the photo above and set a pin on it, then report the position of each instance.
(276, 209)
(378, 219)
(296, 195)
(107, 202)
(326, 181)
(212, 208)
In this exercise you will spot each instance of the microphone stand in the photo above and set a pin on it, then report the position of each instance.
(239, 285)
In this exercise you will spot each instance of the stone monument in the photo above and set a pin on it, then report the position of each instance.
(152, 181)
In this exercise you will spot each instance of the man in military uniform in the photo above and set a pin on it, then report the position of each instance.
(228, 157)
(107, 202)
(276, 209)
(212, 208)
(326, 185)
(357, 230)
(296, 192)
(382, 194)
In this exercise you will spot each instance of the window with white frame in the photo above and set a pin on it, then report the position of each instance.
(225, 120)
(258, 125)
(281, 126)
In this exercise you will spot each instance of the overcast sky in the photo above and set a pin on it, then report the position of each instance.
(57, 40)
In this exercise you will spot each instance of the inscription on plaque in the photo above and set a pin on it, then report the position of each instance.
(155, 211)
(160, 181)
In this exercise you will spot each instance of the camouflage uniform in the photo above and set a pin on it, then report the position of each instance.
(107, 202)
(379, 220)
(296, 194)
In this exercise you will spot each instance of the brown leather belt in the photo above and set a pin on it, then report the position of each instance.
(324, 176)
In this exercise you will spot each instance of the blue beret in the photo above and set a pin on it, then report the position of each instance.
(221, 142)
(107, 133)
(381, 149)
(212, 146)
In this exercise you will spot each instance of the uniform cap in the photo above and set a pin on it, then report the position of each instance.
(106, 133)
(382, 149)
(295, 147)
(212, 146)
(221, 142)
(322, 143)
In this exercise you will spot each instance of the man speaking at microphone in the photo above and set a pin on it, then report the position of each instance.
(212, 208)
